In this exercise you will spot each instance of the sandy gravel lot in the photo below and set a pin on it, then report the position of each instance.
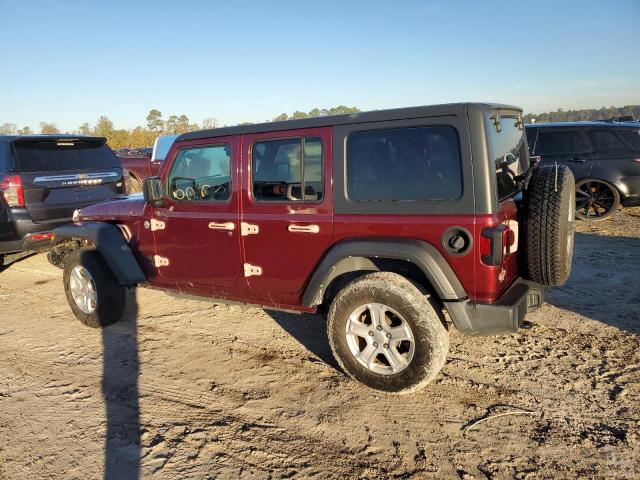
(187, 389)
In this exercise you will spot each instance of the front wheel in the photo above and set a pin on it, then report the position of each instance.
(387, 334)
(94, 295)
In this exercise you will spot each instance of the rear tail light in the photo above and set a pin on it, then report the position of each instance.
(12, 191)
(497, 243)
(635, 160)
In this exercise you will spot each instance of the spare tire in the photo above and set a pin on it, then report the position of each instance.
(549, 224)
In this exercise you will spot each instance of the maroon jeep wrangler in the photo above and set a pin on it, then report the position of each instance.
(383, 220)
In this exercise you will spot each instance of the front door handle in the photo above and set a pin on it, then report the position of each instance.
(222, 226)
(303, 228)
(578, 160)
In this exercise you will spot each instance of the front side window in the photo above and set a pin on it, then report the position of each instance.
(284, 169)
(508, 153)
(607, 141)
(416, 163)
(632, 137)
(201, 174)
(565, 142)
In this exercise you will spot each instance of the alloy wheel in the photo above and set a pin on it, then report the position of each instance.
(594, 200)
(380, 339)
(83, 289)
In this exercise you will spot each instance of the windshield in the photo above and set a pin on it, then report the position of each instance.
(54, 156)
(508, 151)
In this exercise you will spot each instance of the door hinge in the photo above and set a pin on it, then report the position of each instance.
(248, 229)
(159, 261)
(252, 270)
(154, 224)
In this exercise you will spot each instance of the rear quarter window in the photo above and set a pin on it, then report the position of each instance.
(54, 156)
(404, 164)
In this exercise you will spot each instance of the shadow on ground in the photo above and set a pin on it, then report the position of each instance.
(120, 390)
(309, 330)
(598, 291)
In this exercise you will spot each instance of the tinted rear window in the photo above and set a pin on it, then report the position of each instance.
(61, 156)
(420, 163)
(561, 142)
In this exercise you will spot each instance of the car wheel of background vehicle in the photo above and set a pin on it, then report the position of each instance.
(550, 225)
(596, 200)
(133, 184)
(387, 334)
(94, 295)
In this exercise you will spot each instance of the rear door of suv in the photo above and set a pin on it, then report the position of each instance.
(287, 218)
(63, 174)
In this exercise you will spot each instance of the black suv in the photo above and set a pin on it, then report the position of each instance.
(604, 157)
(44, 179)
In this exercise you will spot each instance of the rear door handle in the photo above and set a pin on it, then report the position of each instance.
(303, 228)
(222, 226)
(578, 160)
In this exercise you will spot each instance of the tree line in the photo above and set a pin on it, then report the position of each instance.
(144, 136)
(602, 113)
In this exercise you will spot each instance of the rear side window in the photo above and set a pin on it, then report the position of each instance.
(632, 137)
(201, 174)
(61, 156)
(418, 163)
(607, 141)
(561, 142)
(283, 169)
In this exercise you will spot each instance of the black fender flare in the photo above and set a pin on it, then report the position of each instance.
(110, 242)
(352, 255)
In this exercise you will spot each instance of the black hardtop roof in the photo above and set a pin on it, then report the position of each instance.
(360, 117)
(586, 124)
(50, 138)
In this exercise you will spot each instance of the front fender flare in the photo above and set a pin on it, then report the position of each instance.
(352, 255)
(111, 244)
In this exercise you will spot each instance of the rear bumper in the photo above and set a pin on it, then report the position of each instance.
(502, 316)
(18, 232)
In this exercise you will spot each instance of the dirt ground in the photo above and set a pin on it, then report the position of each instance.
(188, 389)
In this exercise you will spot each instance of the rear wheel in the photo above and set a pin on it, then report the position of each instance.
(94, 295)
(596, 200)
(387, 334)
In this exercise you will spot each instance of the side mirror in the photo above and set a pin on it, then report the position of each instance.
(152, 191)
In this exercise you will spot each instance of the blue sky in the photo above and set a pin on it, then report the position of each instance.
(69, 61)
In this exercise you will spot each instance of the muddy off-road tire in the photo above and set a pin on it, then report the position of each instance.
(94, 295)
(385, 333)
(550, 225)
